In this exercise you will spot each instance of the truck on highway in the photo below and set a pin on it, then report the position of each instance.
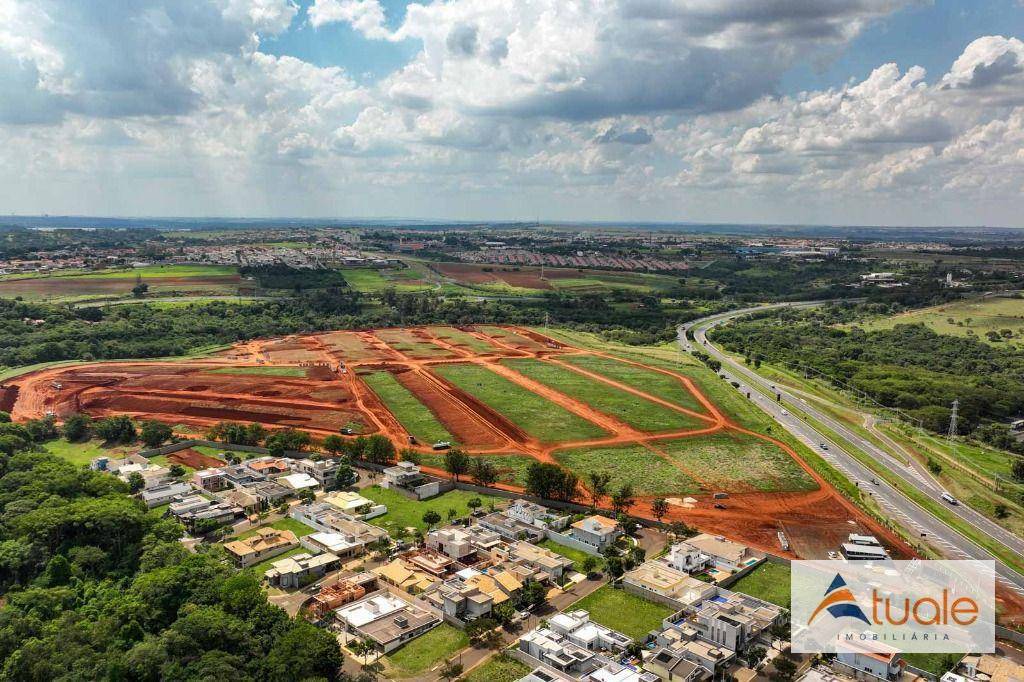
(949, 498)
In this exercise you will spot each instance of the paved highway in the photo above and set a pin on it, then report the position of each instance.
(903, 510)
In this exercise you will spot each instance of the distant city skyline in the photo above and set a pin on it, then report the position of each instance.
(791, 112)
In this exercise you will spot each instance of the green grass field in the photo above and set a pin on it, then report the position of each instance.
(622, 611)
(721, 460)
(262, 370)
(406, 513)
(404, 341)
(656, 383)
(413, 415)
(538, 416)
(769, 581)
(426, 651)
(81, 453)
(648, 473)
(167, 271)
(639, 413)
(374, 281)
(499, 668)
(512, 468)
(975, 316)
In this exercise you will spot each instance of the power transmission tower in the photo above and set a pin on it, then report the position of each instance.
(951, 434)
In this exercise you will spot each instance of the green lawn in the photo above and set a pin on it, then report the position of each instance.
(769, 581)
(300, 529)
(639, 413)
(647, 472)
(622, 611)
(81, 453)
(499, 668)
(937, 664)
(662, 385)
(576, 555)
(220, 452)
(414, 415)
(426, 651)
(723, 459)
(262, 370)
(406, 513)
(538, 416)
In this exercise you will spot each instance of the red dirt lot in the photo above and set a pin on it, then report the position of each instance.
(193, 459)
(332, 396)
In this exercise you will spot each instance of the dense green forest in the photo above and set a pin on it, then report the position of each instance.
(141, 330)
(909, 367)
(96, 587)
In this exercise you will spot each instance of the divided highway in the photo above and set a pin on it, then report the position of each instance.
(903, 510)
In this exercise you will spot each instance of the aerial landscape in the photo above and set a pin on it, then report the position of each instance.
(493, 341)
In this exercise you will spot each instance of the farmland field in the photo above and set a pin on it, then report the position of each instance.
(79, 285)
(970, 317)
(639, 413)
(538, 416)
(648, 473)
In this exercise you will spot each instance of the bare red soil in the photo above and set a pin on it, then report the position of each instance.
(196, 460)
(333, 396)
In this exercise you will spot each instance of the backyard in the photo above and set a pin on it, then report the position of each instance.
(426, 651)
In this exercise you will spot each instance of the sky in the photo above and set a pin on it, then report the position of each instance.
(839, 112)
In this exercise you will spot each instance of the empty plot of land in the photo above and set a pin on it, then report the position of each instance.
(290, 352)
(733, 461)
(511, 468)
(415, 345)
(638, 412)
(634, 464)
(650, 381)
(511, 338)
(414, 416)
(534, 414)
(352, 346)
(457, 337)
(262, 370)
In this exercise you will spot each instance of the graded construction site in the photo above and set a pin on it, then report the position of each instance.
(512, 394)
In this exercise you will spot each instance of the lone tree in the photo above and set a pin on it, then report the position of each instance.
(483, 472)
(154, 433)
(659, 508)
(457, 462)
(599, 483)
(474, 503)
(622, 499)
(431, 517)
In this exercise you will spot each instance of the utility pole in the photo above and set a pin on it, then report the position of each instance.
(951, 434)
